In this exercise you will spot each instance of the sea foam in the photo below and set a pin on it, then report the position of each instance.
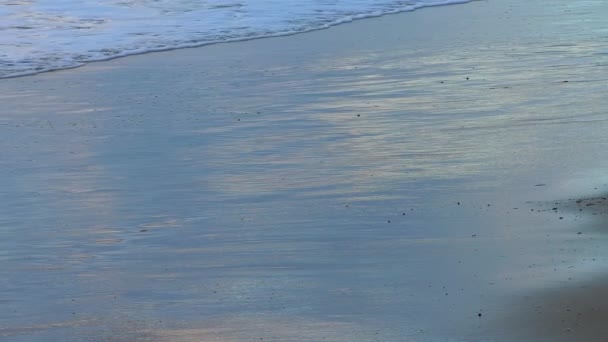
(44, 35)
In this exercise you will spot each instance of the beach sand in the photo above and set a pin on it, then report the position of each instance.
(424, 176)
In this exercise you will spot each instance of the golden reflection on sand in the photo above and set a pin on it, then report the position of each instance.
(32, 329)
(262, 328)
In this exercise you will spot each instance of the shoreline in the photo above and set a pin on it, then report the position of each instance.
(394, 178)
(234, 40)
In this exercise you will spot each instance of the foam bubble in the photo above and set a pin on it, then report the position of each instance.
(45, 35)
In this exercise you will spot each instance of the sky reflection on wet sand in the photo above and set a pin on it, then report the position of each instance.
(357, 194)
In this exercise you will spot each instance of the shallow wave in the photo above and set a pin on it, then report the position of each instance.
(47, 35)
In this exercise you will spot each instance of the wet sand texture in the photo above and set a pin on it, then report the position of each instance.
(392, 179)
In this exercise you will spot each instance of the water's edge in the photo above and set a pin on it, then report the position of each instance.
(127, 53)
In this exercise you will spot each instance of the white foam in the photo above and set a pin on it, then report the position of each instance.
(45, 35)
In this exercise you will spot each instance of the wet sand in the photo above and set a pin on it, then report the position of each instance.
(392, 179)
